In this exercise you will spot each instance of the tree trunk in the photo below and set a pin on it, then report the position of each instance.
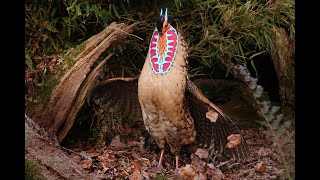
(58, 115)
(52, 161)
(283, 57)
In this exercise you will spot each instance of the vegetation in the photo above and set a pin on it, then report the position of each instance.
(279, 129)
(53, 27)
(32, 170)
(279, 132)
(235, 30)
(238, 31)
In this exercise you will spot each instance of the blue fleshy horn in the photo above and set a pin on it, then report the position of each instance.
(160, 12)
(166, 15)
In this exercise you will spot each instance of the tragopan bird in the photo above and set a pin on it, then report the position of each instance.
(174, 110)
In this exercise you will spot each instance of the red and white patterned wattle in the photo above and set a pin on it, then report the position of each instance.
(161, 63)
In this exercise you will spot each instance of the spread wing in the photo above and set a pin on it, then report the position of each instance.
(215, 130)
(120, 94)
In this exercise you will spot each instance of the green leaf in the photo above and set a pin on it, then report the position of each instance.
(120, 49)
(53, 43)
(178, 4)
(115, 11)
(87, 8)
(69, 31)
(44, 71)
(241, 51)
(245, 66)
(78, 10)
(256, 54)
(51, 28)
(29, 62)
(254, 68)
(110, 9)
(66, 19)
(53, 12)
(72, 5)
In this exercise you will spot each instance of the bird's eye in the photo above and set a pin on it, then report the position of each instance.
(166, 25)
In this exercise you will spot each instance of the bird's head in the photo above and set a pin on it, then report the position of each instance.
(164, 44)
(164, 22)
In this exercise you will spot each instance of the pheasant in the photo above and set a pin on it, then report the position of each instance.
(173, 109)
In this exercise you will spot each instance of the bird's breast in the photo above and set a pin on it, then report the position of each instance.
(165, 91)
(161, 98)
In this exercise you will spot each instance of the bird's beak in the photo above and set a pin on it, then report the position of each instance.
(165, 25)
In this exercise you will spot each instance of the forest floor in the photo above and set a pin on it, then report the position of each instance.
(126, 158)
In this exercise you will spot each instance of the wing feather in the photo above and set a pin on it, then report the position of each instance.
(120, 94)
(213, 133)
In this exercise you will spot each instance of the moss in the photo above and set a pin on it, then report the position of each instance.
(32, 170)
(164, 176)
(69, 57)
(69, 60)
(26, 143)
(80, 47)
(52, 81)
(45, 90)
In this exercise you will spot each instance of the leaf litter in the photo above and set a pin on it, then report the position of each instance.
(126, 158)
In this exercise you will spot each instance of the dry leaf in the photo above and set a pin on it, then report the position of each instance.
(187, 172)
(93, 154)
(200, 176)
(112, 157)
(264, 152)
(260, 168)
(154, 163)
(92, 150)
(86, 164)
(123, 173)
(50, 69)
(214, 172)
(136, 175)
(145, 161)
(76, 158)
(212, 116)
(116, 143)
(202, 153)
(234, 140)
(137, 166)
(104, 158)
(197, 163)
(85, 155)
(29, 80)
(278, 171)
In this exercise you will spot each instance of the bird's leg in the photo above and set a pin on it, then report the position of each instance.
(160, 160)
(174, 143)
(177, 162)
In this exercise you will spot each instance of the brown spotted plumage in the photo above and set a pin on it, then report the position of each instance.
(174, 110)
